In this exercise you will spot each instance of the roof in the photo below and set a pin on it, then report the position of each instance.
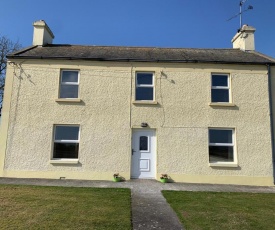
(142, 54)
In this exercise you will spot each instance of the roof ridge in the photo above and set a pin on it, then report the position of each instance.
(142, 47)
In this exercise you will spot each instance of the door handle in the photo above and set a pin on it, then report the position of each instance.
(133, 151)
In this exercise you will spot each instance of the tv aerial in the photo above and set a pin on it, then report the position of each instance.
(242, 2)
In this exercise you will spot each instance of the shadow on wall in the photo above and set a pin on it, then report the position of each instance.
(19, 76)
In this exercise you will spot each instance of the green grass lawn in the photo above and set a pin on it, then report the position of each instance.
(34, 207)
(220, 210)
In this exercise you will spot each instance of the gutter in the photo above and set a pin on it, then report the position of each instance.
(271, 119)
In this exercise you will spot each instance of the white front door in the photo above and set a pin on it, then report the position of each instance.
(143, 154)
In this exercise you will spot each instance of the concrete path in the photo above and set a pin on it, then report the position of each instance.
(149, 208)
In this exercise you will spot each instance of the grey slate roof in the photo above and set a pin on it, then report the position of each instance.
(142, 54)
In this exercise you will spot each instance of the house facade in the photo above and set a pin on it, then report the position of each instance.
(87, 112)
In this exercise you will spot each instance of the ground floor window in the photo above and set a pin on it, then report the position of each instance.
(66, 142)
(221, 145)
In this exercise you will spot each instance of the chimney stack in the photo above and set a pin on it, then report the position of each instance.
(244, 39)
(42, 34)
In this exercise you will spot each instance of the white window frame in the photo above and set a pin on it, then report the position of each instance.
(68, 83)
(145, 85)
(65, 160)
(228, 87)
(233, 144)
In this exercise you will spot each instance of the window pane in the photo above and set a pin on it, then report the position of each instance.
(69, 91)
(220, 95)
(220, 153)
(143, 93)
(69, 76)
(143, 143)
(65, 150)
(145, 78)
(66, 133)
(219, 80)
(220, 136)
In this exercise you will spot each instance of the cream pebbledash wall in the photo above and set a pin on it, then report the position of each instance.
(106, 116)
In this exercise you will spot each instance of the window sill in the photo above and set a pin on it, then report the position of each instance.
(145, 102)
(228, 165)
(76, 100)
(64, 161)
(222, 104)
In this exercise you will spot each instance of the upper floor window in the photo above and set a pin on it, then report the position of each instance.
(220, 88)
(221, 145)
(144, 86)
(66, 142)
(69, 82)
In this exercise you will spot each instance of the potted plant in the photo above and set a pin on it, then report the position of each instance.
(164, 178)
(116, 177)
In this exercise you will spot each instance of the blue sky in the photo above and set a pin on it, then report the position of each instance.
(157, 23)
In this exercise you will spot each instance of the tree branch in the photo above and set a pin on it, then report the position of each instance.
(6, 46)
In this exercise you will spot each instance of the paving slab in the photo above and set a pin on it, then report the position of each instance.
(139, 184)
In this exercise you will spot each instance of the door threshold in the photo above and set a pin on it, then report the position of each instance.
(147, 178)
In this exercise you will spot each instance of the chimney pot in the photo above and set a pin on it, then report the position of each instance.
(42, 34)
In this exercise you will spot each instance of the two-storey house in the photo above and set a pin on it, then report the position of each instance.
(87, 112)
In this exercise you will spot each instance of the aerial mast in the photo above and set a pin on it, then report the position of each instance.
(241, 9)
(242, 2)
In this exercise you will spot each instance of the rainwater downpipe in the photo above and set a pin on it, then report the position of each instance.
(271, 119)
(131, 96)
